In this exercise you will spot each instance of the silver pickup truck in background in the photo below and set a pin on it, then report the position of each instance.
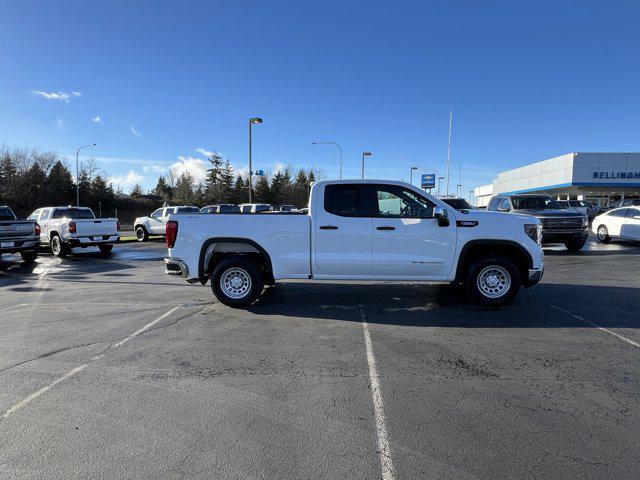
(64, 228)
(18, 236)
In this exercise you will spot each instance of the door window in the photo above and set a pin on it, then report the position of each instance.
(45, 214)
(344, 200)
(493, 204)
(390, 201)
(622, 212)
(632, 212)
(157, 213)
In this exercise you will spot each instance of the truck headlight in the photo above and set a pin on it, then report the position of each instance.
(534, 232)
(585, 222)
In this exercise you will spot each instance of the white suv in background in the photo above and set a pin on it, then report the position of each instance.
(155, 223)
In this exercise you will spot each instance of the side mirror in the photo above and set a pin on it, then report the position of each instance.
(442, 215)
(504, 209)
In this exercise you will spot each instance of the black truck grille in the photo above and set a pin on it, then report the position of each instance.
(561, 223)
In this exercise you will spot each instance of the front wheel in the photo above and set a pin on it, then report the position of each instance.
(237, 282)
(575, 245)
(105, 249)
(29, 256)
(603, 234)
(492, 281)
(141, 234)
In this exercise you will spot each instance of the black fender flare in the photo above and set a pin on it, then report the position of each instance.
(209, 241)
(488, 243)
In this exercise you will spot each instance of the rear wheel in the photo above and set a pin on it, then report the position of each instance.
(141, 234)
(58, 247)
(492, 280)
(603, 234)
(105, 249)
(575, 245)
(29, 256)
(237, 282)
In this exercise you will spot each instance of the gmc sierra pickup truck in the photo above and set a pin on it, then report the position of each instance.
(18, 236)
(359, 230)
(64, 228)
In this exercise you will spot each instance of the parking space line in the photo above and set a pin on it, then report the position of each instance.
(384, 450)
(22, 403)
(617, 335)
(15, 306)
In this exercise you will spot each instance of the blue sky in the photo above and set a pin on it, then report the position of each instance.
(156, 84)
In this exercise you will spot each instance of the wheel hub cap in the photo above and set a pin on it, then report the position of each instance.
(494, 281)
(235, 282)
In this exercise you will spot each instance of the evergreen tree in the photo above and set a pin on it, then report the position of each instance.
(163, 189)
(60, 187)
(136, 191)
(300, 189)
(214, 188)
(32, 190)
(8, 173)
(101, 193)
(184, 191)
(85, 188)
(262, 192)
(239, 194)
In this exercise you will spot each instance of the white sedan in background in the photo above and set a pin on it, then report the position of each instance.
(617, 223)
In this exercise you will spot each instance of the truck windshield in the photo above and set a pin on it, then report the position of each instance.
(73, 213)
(6, 214)
(457, 203)
(535, 203)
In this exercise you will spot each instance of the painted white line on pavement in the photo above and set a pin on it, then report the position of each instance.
(384, 450)
(22, 403)
(617, 335)
(15, 306)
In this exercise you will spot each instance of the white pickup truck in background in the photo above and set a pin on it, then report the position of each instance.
(64, 228)
(359, 230)
(18, 236)
(155, 223)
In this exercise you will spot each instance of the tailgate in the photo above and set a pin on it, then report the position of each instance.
(10, 229)
(97, 227)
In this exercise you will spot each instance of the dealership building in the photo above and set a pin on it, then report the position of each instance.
(598, 178)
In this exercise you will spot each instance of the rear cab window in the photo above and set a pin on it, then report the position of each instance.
(188, 210)
(73, 213)
(6, 214)
(343, 199)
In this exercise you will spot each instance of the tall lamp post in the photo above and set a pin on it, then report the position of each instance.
(78, 172)
(439, 184)
(411, 175)
(252, 121)
(339, 148)
(459, 191)
(365, 154)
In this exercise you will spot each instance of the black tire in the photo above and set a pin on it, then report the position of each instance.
(141, 234)
(504, 271)
(105, 249)
(246, 272)
(575, 245)
(603, 234)
(29, 256)
(58, 247)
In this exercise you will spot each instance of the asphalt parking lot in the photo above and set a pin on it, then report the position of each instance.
(111, 369)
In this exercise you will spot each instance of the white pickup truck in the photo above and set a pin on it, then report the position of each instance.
(64, 228)
(359, 230)
(155, 223)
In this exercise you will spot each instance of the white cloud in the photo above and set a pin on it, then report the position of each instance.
(128, 180)
(62, 96)
(195, 166)
(97, 119)
(59, 123)
(279, 167)
(135, 132)
(154, 168)
(206, 153)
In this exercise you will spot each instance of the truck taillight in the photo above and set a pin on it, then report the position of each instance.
(72, 227)
(118, 225)
(37, 229)
(172, 233)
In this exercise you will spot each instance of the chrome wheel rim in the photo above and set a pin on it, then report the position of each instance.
(140, 234)
(235, 283)
(55, 246)
(602, 233)
(494, 281)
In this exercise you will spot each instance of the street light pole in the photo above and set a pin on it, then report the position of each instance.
(411, 175)
(78, 172)
(254, 120)
(339, 148)
(365, 154)
(439, 184)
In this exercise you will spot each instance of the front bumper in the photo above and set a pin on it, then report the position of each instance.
(535, 275)
(562, 236)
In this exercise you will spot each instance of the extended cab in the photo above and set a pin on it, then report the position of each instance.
(359, 230)
(558, 226)
(18, 236)
(155, 223)
(64, 228)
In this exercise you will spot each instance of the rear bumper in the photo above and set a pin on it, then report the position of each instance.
(92, 241)
(18, 245)
(535, 275)
(561, 236)
(176, 266)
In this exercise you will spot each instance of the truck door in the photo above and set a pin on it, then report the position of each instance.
(156, 223)
(407, 240)
(43, 221)
(342, 235)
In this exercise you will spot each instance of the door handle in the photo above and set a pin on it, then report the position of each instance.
(386, 227)
(328, 227)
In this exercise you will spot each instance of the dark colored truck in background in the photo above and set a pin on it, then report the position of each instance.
(18, 236)
(568, 227)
